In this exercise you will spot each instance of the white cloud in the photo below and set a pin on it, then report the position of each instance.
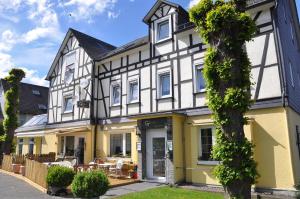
(193, 2)
(113, 15)
(87, 9)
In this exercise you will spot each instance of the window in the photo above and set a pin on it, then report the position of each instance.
(70, 67)
(291, 74)
(42, 107)
(36, 92)
(200, 82)
(163, 30)
(68, 105)
(165, 88)
(116, 94)
(206, 142)
(31, 146)
(133, 91)
(70, 140)
(120, 145)
(292, 31)
(20, 146)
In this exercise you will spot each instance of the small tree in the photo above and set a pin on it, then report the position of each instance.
(226, 27)
(10, 122)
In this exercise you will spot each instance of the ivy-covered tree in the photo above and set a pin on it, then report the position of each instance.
(11, 106)
(225, 26)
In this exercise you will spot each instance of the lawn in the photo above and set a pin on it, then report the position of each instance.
(174, 193)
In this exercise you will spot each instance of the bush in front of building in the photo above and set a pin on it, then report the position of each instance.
(58, 179)
(90, 184)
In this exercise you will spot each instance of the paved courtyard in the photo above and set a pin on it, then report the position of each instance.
(13, 188)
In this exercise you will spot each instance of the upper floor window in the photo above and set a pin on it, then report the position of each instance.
(165, 85)
(68, 104)
(42, 106)
(70, 67)
(206, 143)
(162, 29)
(116, 94)
(133, 91)
(200, 82)
(36, 92)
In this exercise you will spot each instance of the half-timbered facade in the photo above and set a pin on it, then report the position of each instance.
(145, 101)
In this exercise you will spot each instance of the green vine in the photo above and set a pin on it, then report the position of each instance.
(226, 27)
(10, 122)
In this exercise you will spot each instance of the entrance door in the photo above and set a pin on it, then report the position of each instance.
(156, 154)
(80, 150)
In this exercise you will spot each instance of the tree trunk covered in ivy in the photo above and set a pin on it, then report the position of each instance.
(10, 122)
(226, 27)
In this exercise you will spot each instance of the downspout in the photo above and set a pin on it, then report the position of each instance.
(280, 56)
(93, 119)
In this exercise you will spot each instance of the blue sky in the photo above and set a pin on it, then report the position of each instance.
(31, 31)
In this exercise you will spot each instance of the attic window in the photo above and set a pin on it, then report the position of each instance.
(42, 107)
(36, 92)
(163, 30)
(69, 67)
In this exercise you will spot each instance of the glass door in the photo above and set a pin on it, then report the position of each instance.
(159, 152)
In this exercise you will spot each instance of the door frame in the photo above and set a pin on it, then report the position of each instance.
(150, 134)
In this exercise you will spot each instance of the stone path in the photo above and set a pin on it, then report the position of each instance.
(13, 188)
(137, 187)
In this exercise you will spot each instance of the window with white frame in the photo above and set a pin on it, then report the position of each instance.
(69, 67)
(116, 94)
(20, 146)
(291, 74)
(68, 104)
(67, 145)
(200, 82)
(164, 85)
(31, 146)
(133, 91)
(120, 145)
(206, 142)
(162, 29)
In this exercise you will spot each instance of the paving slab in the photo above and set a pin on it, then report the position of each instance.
(123, 190)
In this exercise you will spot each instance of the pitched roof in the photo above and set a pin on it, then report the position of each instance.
(95, 48)
(133, 44)
(156, 6)
(33, 98)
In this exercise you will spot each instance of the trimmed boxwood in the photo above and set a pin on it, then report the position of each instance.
(59, 176)
(90, 184)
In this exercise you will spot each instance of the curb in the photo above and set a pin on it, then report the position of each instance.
(40, 188)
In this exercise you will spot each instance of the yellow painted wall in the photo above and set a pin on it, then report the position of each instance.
(293, 119)
(103, 138)
(25, 149)
(49, 143)
(178, 149)
(269, 132)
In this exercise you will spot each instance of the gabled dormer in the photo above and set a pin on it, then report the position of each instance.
(163, 20)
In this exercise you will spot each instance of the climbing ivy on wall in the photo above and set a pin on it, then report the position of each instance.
(225, 26)
(10, 122)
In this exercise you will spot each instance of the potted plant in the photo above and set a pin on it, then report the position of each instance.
(58, 179)
(90, 184)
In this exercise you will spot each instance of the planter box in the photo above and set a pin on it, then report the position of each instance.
(16, 168)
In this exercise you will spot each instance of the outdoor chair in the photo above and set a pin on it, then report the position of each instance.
(116, 171)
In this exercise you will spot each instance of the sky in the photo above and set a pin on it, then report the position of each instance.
(31, 31)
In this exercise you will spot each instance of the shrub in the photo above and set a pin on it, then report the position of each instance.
(59, 176)
(90, 184)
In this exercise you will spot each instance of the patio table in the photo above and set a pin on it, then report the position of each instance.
(106, 166)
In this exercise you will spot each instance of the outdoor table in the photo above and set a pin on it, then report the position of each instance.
(106, 166)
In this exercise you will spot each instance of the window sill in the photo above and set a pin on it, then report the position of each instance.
(67, 113)
(133, 103)
(116, 106)
(164, 98)
(208, 163)
(199, 92)
(163, 41)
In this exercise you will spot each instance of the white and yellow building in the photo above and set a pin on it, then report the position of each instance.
(145, 101)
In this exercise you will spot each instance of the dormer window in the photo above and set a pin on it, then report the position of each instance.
(163, 29)
(70, 67)
(36, 92)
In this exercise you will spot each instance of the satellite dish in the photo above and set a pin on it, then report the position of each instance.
(84, 83)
